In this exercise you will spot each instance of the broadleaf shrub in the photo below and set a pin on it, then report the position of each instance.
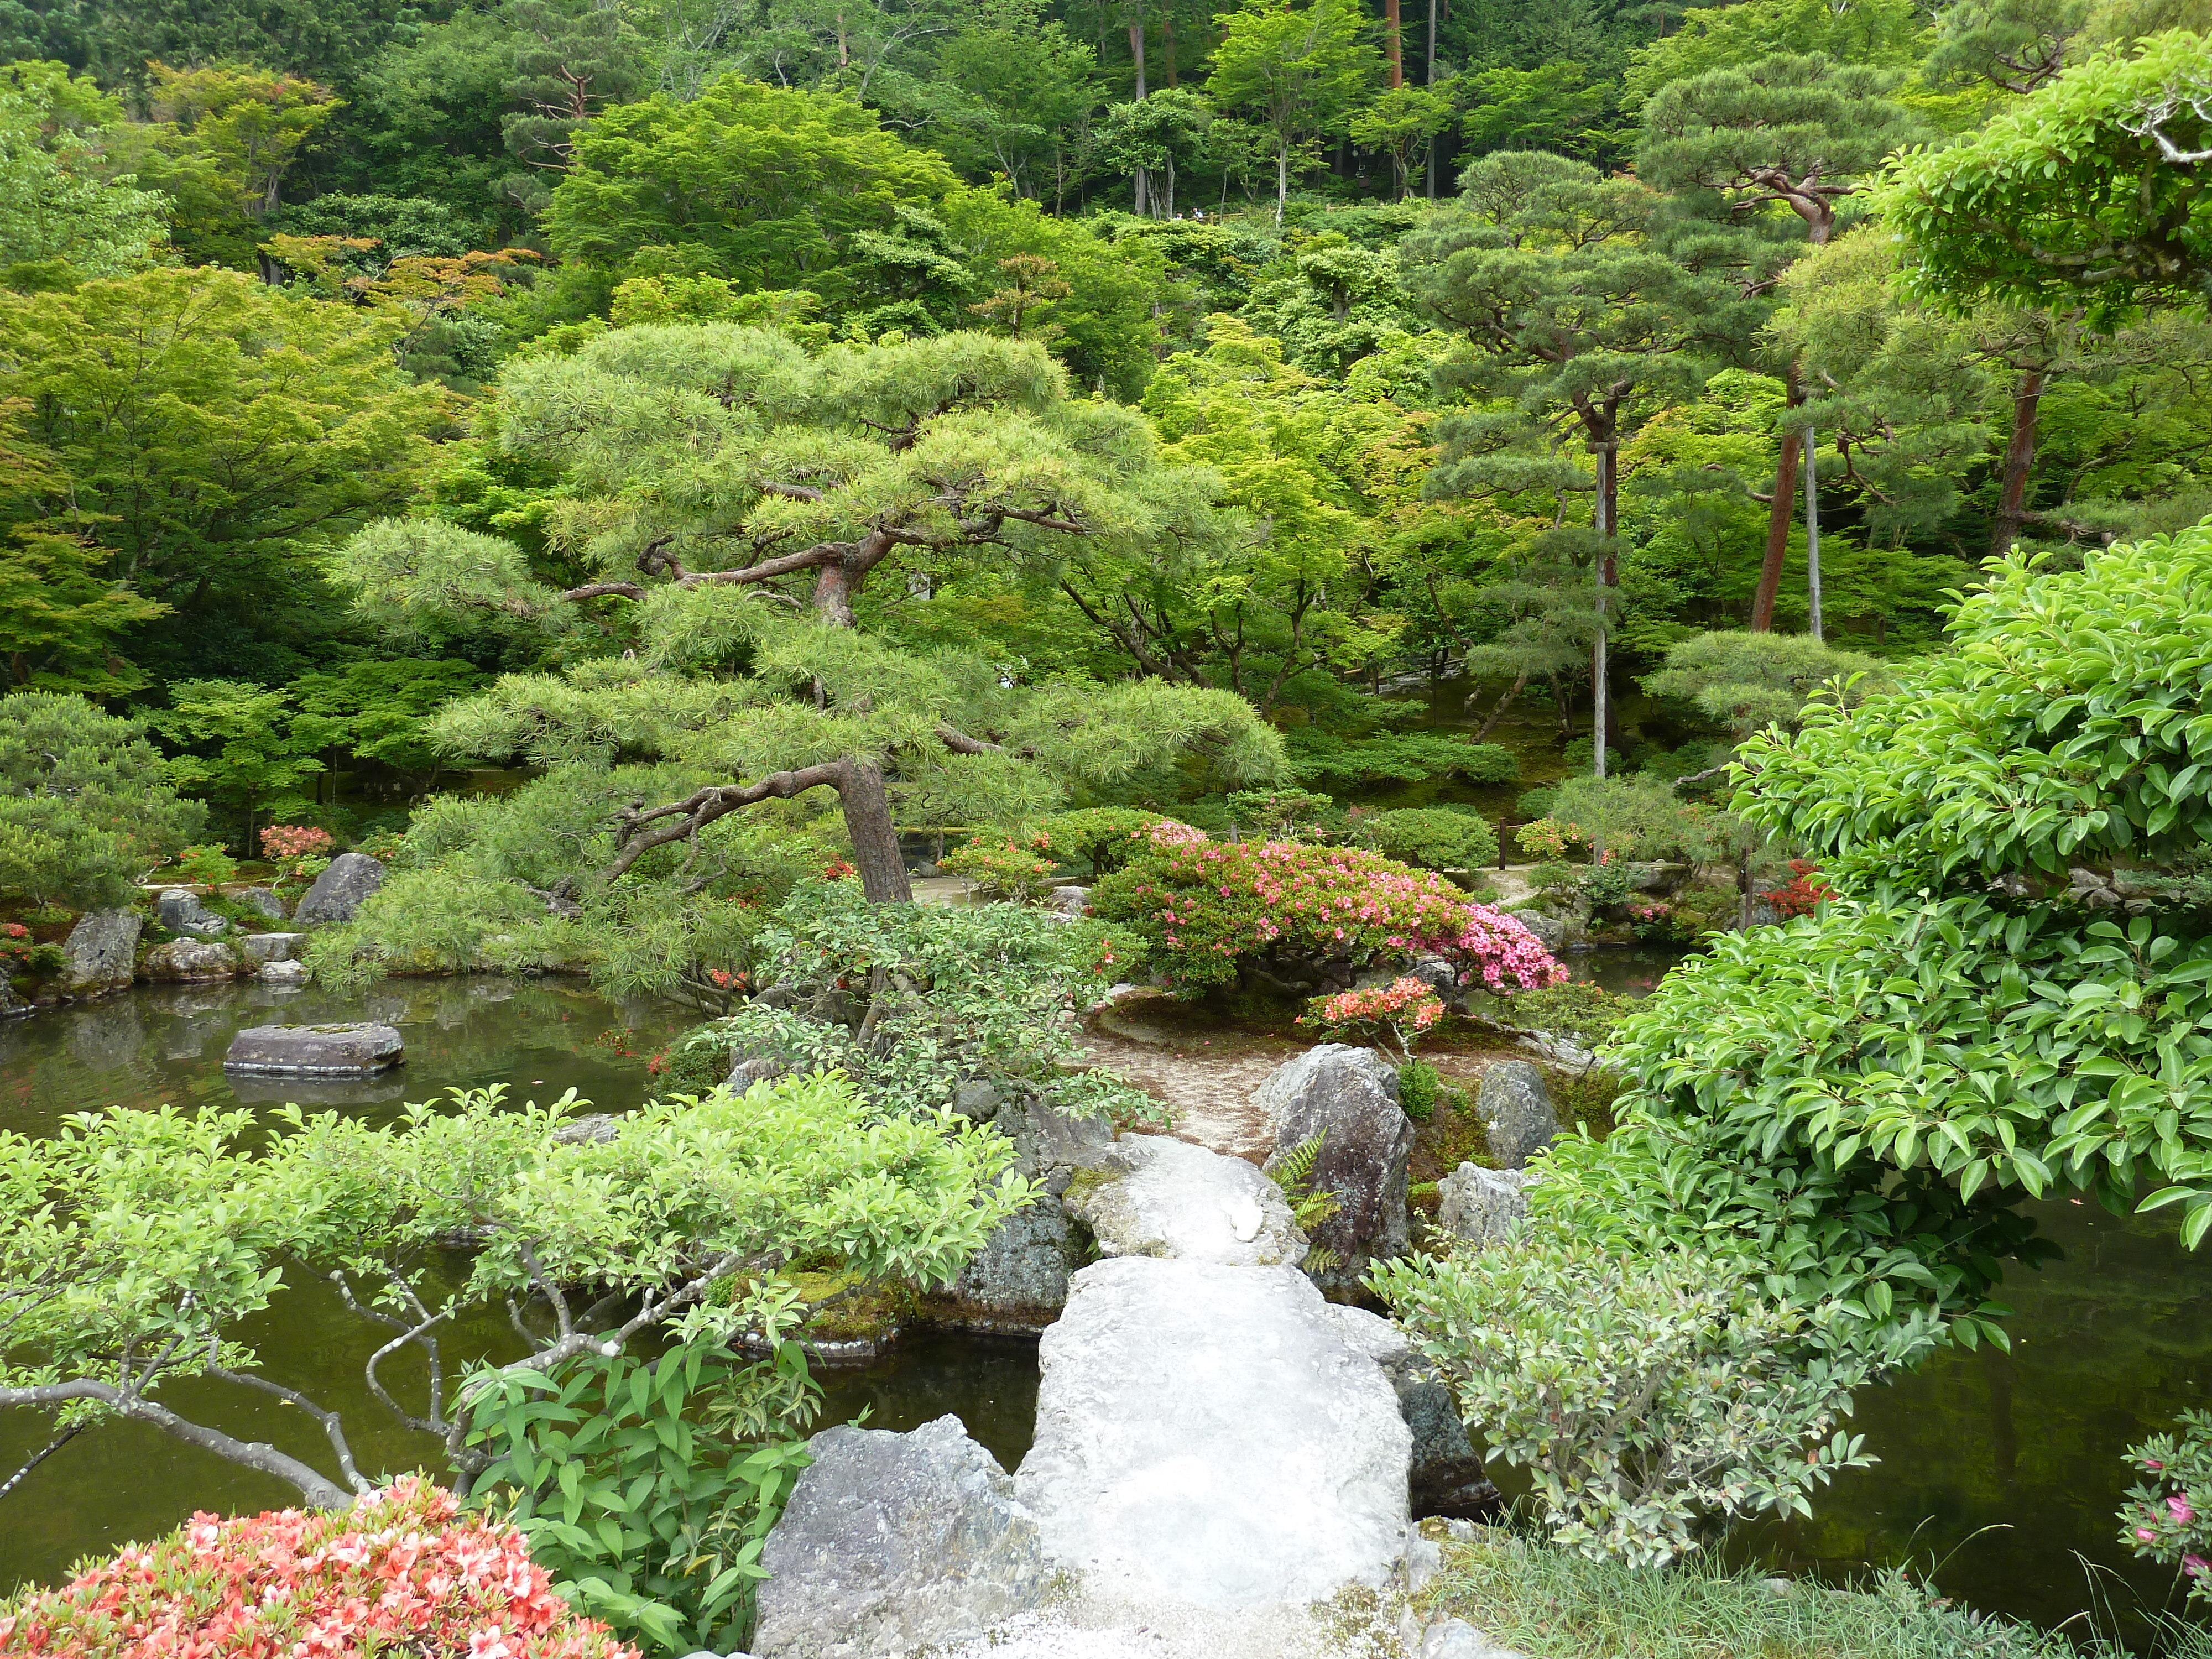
(1208, 911)
(2168, 1513)
(1644, 1393)
(1434, 836)
(405, 1571)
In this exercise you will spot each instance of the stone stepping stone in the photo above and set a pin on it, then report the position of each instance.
(314, 1050)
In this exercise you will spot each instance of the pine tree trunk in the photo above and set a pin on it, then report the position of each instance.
(1392, 46)
(875, 838)
(1778, 514)
(2019, 463)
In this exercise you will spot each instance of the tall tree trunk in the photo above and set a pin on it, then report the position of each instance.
(1393, 44)
(1813, 534)
(875, 840)
(1435, 140)
(2019, 463)
(1136, 55)
(1608, 577)
(1167, 45)
(1282, 177)
(1779, 514)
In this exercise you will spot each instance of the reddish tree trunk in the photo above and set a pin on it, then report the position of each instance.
(2019, 463)
(875, 838)
(1778, 528)
(1392, 45)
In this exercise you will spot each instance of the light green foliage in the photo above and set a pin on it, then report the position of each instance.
(1105, 838)
(1744, 681)
(378, 708)
(1642, 1393)
(1565, 1606)
(912, 1000)
(1439, 837)
(226, 133)
(1641, 817)
(211, 430)
(61, 198)
(156, 1239)
(1400, 123)
(84, 809)
(2080, 194)
(238, 748)
(1298, 71)
(1881, 33)
(772, 182)
(1284, 815)
(636, 1493)
(1292, 1172)
(1864, 1093)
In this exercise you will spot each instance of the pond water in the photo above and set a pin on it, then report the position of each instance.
(2111, 1341)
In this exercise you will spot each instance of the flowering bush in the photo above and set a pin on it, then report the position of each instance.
(1548, 841)
(1802, 895)
(404, 1571)
(1016, 870)
(285, 842)
(210, 866)
(2168, 1516)
(1206, 910)
(1407, 1008)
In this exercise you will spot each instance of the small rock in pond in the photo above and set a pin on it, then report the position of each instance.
(314, 1050)
(593, 1126)
(1516, 1107)
(101, 952)
(271, 947)
(191, 959)
(339, 891)
(286, 972)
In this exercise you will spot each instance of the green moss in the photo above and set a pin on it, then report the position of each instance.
(1085, 1180)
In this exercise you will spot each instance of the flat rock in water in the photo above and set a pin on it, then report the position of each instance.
(101, 952)
(314, 1050)
(339, 891)
(895, 1542)
(1181, 1200)
(1207, 1437)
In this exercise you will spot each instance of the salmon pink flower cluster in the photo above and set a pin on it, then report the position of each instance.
(1407, 1008)
(283, 841)
(1206, 909)
(404, 1571)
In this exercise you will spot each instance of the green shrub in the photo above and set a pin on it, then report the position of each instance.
(1420, 1085)
(1284, 815)
(1536, 803)
(1438, 837)
(84, 808)
(1020, 870)
(207, 866)
(1397, 757)
(1643, 1394)
(647, 1488)
(1105, 838)
(1573, 1008)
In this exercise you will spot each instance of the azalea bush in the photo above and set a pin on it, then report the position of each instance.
(1022, 871)
(1803, 894)
(1212, 914)
(405, 1571)
(2168, 1513)
(294, 848)
(1407, 1008)
(1644, 1395)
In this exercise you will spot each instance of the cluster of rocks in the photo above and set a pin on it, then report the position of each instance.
(102, 953)
(1220, 1448)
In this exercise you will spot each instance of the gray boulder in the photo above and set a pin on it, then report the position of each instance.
(753, 1068)
(181, 911)
(186, 960)
(1349, 1098)
(271, 947)
(338, 891)
(314, 1050)
(1051, 1145)
(10, 1004)
(1018, 1280)
(892, 1542)
(1178, 1200)
(1444, 1477)
(1483, 1207)
(263, 901)
(101, 952)
(1455, 1639)
(1205, 1435)
(288, 972)
(1069, 900)
(591, 1128)
(1516, 1107)
(1551, 930)
(978, 1100)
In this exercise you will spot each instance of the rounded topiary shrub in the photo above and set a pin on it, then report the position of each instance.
(1437, 837)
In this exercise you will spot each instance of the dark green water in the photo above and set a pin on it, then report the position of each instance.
(2110, 1342)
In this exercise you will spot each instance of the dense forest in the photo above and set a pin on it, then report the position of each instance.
(1322, 510)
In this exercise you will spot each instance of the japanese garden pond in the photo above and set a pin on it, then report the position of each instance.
(2000, 1471)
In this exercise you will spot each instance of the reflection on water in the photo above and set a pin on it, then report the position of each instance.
(152, 1045)
(990, 1382)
